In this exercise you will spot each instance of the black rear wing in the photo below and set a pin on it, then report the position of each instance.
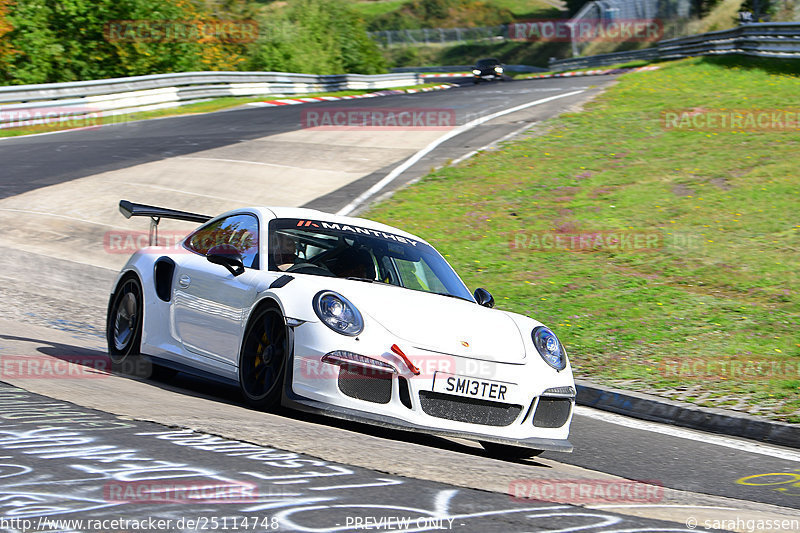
(129, 209)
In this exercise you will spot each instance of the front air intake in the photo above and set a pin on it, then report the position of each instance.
(469, 410)
(552, 412)
(365, 384)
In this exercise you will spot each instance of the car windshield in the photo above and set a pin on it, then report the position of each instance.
(346, 251)
(483, 63)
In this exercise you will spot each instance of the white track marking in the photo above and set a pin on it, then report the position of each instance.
(467, 156)
(491, 144)
(352, 206)
(55, 215)
(179, 191)
(382, 482)
(673, 431)
(250, 163)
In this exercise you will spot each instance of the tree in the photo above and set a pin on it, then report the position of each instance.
(701, 8)
(70, 40)
(315, 37)
(573, 6)
(6, 49)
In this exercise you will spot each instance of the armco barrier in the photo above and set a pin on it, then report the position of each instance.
(141, 93)
(766, 39)
(466, 68)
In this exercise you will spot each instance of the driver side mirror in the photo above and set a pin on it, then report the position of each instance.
(483, 297)
(228, 256)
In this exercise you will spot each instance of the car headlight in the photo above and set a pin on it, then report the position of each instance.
(498, 69)
(338, 313)
(549, 347)
(476, 71)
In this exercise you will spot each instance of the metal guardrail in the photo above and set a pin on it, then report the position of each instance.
(602, 60)
(466, 68)
(24, 104)
(443, 68)
(765, 39)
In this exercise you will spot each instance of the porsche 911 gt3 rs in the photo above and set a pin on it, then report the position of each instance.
(343, 316)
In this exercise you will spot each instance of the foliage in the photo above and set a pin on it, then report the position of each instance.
(765, 7)
(701, 8)
(442, 14)
(315, 36)
(510, 52)
(68, 40)
(6, 49)
(573, 6)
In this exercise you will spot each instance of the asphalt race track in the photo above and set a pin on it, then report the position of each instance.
(96, 467)
(39, 161)
(106, 447)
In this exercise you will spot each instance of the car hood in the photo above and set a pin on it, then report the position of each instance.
(444, 325)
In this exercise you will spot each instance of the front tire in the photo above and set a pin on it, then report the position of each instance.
(507, 451)
(124, 325)
(263, 359)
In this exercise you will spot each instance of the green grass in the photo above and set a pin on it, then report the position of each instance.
(629, 64)
(723, 283)
(525, 9)
(372, 8)
(215, 104)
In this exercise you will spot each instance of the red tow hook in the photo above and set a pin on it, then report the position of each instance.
(396, 349)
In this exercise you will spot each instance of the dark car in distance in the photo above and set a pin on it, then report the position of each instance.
(488, 69)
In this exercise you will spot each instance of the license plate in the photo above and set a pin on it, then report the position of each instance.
(482, 389)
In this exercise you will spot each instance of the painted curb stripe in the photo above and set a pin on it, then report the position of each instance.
(311, 99)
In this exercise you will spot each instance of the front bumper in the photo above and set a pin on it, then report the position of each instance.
(353, 415)
(539, 416)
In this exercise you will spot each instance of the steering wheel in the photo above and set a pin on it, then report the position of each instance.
(310, 268)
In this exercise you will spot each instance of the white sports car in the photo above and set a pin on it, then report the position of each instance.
(343, 316)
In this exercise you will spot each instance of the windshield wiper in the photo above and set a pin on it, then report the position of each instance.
(370, 280)
(452, 296)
